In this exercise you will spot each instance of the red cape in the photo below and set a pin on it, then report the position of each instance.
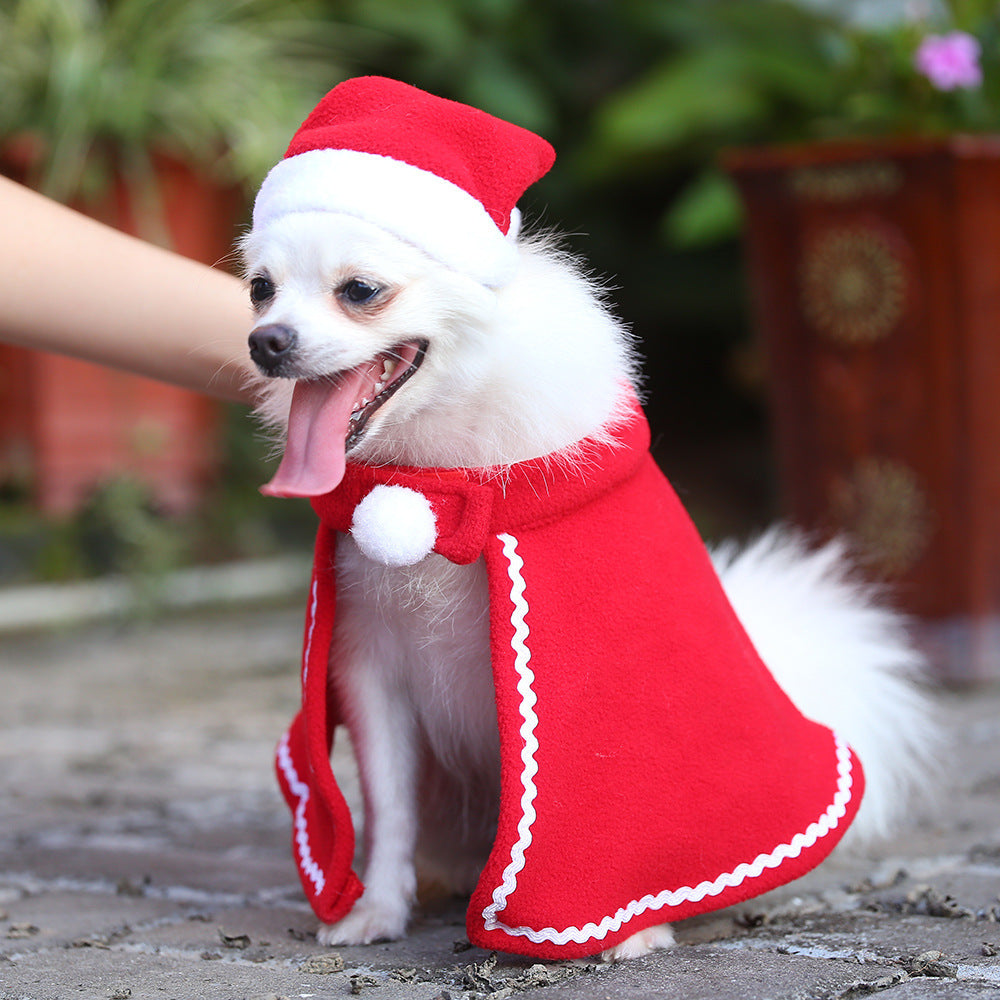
(651, 767)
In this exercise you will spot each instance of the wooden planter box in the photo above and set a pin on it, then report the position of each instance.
(66, 425)
(875, 281)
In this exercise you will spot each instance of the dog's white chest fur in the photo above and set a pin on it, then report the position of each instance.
(422, 630)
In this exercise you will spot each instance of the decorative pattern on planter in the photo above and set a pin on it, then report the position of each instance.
(846, 182)
(853, 284)
(884, 509)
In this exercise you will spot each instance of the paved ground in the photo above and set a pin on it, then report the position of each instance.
(144, 853)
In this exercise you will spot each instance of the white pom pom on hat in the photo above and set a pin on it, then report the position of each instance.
(440, 175)
(394, 525)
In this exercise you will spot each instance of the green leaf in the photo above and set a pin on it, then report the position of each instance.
(707, 211)
(686, 98)
(499, 87)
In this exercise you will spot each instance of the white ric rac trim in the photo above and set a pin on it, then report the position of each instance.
(300, 790)
(826, 822)
(307, 652)
(525, 676)
(295, 784)
(415, 205)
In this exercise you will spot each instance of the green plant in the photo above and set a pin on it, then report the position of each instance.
(120, 531)
(733, 73)
(93, 86)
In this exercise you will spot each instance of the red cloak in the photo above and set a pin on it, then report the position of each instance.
(651, 767)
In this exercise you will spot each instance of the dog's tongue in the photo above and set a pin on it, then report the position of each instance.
(318, 424)
(319, 420)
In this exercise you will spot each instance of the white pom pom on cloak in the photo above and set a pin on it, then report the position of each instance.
(394, 525)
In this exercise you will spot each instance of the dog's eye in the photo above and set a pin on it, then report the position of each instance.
(358, 291)
(261, 290)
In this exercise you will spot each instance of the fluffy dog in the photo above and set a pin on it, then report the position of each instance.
(377, 352)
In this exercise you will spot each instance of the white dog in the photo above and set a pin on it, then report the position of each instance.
(397, 358)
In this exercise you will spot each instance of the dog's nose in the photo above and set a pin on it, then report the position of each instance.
(270, 345)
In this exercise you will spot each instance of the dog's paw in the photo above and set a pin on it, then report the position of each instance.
(367, 922)
(642, 943)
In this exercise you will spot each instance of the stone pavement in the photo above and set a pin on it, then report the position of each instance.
(144, 853)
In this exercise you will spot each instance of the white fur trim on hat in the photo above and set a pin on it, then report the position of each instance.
(394, 525)
(415, 205)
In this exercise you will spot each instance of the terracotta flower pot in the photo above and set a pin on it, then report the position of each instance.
(66, 425)
(875, 276)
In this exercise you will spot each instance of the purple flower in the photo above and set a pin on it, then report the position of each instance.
(950, 61)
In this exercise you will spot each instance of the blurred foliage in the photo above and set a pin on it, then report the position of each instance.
(118, 531)
(627, 92)
(647, 92)
(121, 530)
(770, 71)
(91, 86)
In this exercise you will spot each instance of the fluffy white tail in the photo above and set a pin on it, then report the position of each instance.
(844, 659)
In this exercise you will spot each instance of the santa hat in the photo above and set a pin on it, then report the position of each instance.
(438, 174)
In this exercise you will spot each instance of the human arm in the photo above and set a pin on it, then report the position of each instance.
(74, 286)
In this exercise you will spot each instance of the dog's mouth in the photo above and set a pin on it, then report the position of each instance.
(329, 417)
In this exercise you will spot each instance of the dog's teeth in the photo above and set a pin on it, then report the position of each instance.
(387, 369)
(379, 386)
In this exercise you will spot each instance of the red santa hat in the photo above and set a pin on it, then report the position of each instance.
(443, 176)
